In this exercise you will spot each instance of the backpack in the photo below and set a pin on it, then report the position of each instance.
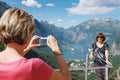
(98, 56)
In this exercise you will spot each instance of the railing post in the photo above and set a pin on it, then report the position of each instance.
(106, 72)
(118, 73)
(86, 66)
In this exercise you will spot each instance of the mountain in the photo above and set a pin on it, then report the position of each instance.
(3, 7)
(43, 28)
(83, 35)
(115, 45)
(76, 41)
(88, 29)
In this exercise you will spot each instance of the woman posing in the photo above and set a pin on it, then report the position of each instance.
(100, 53)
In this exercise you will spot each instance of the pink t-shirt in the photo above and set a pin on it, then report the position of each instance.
(25, 69)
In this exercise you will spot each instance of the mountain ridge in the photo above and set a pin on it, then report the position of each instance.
(3, 7)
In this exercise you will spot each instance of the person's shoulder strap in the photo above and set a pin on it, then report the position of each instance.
(106, 45)
(94, 45)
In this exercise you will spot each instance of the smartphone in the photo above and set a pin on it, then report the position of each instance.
(43, 41)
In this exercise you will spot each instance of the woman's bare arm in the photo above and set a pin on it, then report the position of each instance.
(107, 57)
(64, 73)
(91, 55)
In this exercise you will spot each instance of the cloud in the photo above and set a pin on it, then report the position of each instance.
(31, 3)
(50, 5)
(51, 22)
(74, 4)
(72, 21)
(91, 7)
(59, 20)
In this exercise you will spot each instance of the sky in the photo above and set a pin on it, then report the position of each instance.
(68, 13)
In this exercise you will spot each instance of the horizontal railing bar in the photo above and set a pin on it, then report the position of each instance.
(88, 68)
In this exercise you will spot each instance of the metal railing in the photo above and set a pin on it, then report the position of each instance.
(86, 68)
(90, 68)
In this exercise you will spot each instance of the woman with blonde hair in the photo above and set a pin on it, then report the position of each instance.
(16, 32)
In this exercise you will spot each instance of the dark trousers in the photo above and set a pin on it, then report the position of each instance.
(100, 73)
